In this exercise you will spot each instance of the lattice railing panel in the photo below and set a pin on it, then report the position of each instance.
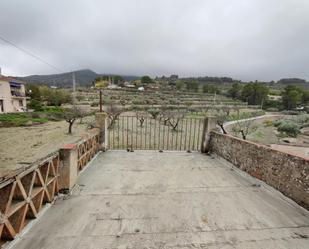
(23, 196)
(87, 149)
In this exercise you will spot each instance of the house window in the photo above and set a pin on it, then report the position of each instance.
(21, 103)
(1, 106)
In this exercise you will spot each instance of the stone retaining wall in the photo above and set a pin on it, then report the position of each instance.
(285, 172)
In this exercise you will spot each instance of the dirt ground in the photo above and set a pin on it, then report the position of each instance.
(21, 146)
(261, 134)
(268, 135)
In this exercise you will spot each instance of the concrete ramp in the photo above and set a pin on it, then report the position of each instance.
(148, 200)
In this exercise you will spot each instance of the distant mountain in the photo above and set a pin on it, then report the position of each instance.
(292, 81)
(83, 78)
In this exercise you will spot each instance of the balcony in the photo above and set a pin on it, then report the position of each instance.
(168, 200)
(17, 94)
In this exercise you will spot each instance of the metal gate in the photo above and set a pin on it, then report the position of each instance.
(133, 133)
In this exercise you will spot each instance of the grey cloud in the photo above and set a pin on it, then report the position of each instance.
(256, 39)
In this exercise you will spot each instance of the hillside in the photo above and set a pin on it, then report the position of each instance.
(83, 78)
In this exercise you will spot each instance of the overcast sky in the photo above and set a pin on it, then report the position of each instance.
(244, 39)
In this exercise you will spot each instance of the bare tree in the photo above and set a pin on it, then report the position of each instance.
(165, 116)
(154, 112)
(226, 110)
(113, 112)
(122, 102)
(221, 119)
(83, 111)
(244, 128)
(70, 116)
(141, 116)
(175, 118)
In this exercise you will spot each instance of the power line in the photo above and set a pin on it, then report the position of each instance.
(31, 54)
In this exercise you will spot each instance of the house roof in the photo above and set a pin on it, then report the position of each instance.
(8, 78)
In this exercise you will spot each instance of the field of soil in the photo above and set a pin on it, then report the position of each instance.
(21, 146)
(268, 135)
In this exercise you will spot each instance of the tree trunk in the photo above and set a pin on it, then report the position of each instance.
(174, 126)
(223, 129)
(243, 135)
(70, 127)
(141, 121)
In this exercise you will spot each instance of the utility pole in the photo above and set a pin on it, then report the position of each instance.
(74, 82)
(74, 88)
(101, 102)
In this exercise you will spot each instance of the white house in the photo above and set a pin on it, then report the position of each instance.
(12, 95)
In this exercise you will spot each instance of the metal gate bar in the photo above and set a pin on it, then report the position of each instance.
(128, 132)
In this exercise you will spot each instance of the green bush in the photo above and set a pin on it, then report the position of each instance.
(272, 109)
(39, 120)
(289, 112)
(137, 101)
(289, 128)
(272, 104)
(35, 105)
(19, 119)
(302, 119)
(245, 115)
(94, 104)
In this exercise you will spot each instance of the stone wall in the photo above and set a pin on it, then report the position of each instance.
(285, 172)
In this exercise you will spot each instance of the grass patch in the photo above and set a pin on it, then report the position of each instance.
(244, 115)
(49, 113)
(258, 134)
(20, 119)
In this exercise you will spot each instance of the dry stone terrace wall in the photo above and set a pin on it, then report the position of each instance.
(285, 172)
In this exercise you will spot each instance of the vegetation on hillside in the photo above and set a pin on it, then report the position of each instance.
(44, 96)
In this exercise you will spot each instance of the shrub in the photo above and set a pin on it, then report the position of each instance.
(154, 113)
(173, 101)
(302, 119)
(39, 120)
(277, 123)
(35, 105)
(289, 127)
(94, 104)
(272, 109)
(19, 119)
(290, 112)
(137, 101)
(268, 123)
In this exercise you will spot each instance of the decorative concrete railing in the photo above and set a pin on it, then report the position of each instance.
(23, 195)
(285, 172)
(25, 192)
(87, 149)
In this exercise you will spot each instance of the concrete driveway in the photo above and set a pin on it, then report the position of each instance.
(168, 200)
